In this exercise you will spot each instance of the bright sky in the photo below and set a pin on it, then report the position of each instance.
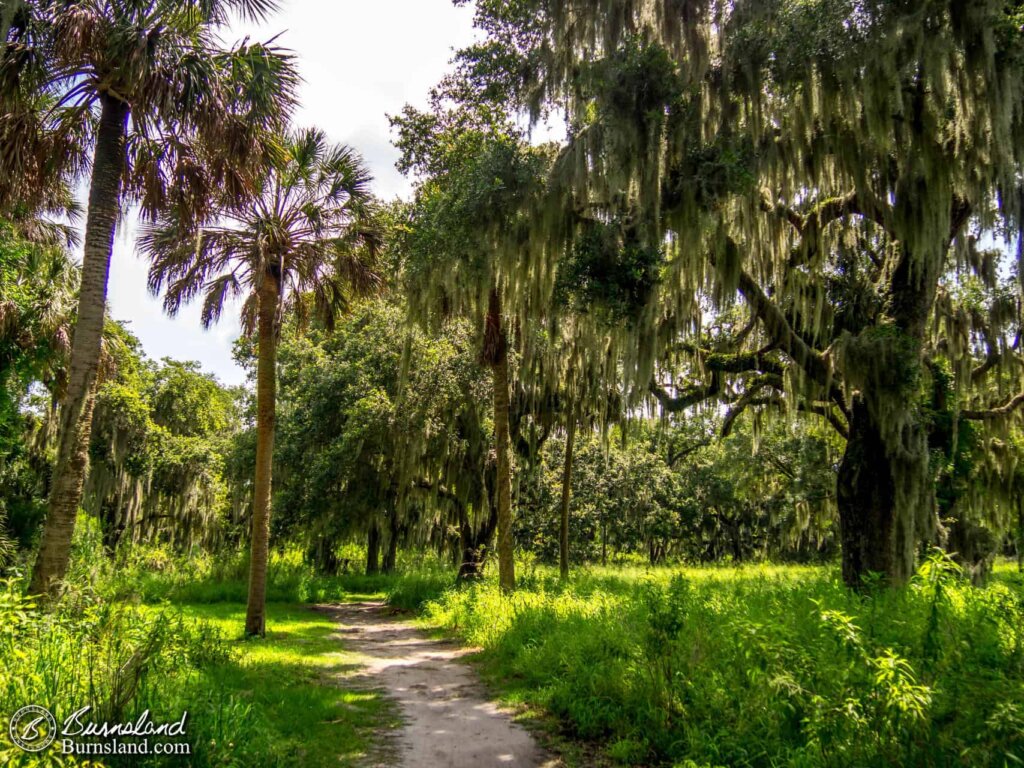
(360, 61)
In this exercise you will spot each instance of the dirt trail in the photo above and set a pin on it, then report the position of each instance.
(448, 721)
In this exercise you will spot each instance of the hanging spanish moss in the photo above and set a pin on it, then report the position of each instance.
(825, 163)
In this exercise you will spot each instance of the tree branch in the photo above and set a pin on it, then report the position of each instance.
(779, 329)
(825, 411)
(691, 395)
(995, 413)
(748, 399)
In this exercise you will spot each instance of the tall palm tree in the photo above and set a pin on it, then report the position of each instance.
(307, 241)
(171, 117)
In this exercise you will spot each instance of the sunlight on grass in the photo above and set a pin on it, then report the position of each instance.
(293, 679)
(758, 664)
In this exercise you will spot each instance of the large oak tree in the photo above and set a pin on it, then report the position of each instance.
(825, 163)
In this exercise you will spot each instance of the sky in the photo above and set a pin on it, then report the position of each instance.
(360, 60)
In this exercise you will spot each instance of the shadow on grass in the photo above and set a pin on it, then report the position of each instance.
(289, 697)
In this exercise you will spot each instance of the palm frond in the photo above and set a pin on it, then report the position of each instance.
(313, 223)
(217, 292)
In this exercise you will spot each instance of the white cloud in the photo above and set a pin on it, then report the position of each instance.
(359, 61)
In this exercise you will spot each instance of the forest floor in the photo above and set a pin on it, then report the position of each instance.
(448, 719)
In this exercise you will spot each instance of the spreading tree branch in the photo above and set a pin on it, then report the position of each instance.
(998, 412)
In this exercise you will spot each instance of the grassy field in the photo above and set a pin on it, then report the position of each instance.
(758, 666)
(277, 701)
(719, 666)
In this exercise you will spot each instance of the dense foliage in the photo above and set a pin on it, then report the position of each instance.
(739, 350)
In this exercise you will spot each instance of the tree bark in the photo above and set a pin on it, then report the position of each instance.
(874, 538)
(76, 410)
(563, 531)
(495, 353)
(391, 554)
(322, 557)
(475, 545)
(373, 550)
(266, 415)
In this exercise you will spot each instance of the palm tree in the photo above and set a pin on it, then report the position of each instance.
(306, 241)
(171, 117)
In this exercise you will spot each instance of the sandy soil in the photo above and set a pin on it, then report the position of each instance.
(448, 720)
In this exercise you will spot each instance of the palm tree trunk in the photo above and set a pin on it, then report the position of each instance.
(266, 414)
(76, 410)
(495, 353)
(563, 533)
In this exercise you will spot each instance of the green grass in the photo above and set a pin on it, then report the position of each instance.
(293, 681)
(156, 574)
(756, 666)
(759, 665)
(283, 700)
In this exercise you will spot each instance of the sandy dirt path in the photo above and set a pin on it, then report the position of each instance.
(448, 720)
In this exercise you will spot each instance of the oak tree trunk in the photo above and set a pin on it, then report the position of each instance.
(76, 409)
(874, 538)
(885, 488)
(322, 557)
(266, 414)
(373, 550)
(475, 545)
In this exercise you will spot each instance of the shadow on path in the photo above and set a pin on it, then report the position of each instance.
(448, 720)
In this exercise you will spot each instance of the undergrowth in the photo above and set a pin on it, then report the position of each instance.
(759, 666)
(272, 701)
(717, 666)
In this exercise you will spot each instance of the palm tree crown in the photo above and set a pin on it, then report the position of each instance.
(197, 114)
(310, 227)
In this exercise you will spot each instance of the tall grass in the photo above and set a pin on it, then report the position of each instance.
(101, 645)
(760, 666)
(740, 666)
(155, 574)
(113, 657)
